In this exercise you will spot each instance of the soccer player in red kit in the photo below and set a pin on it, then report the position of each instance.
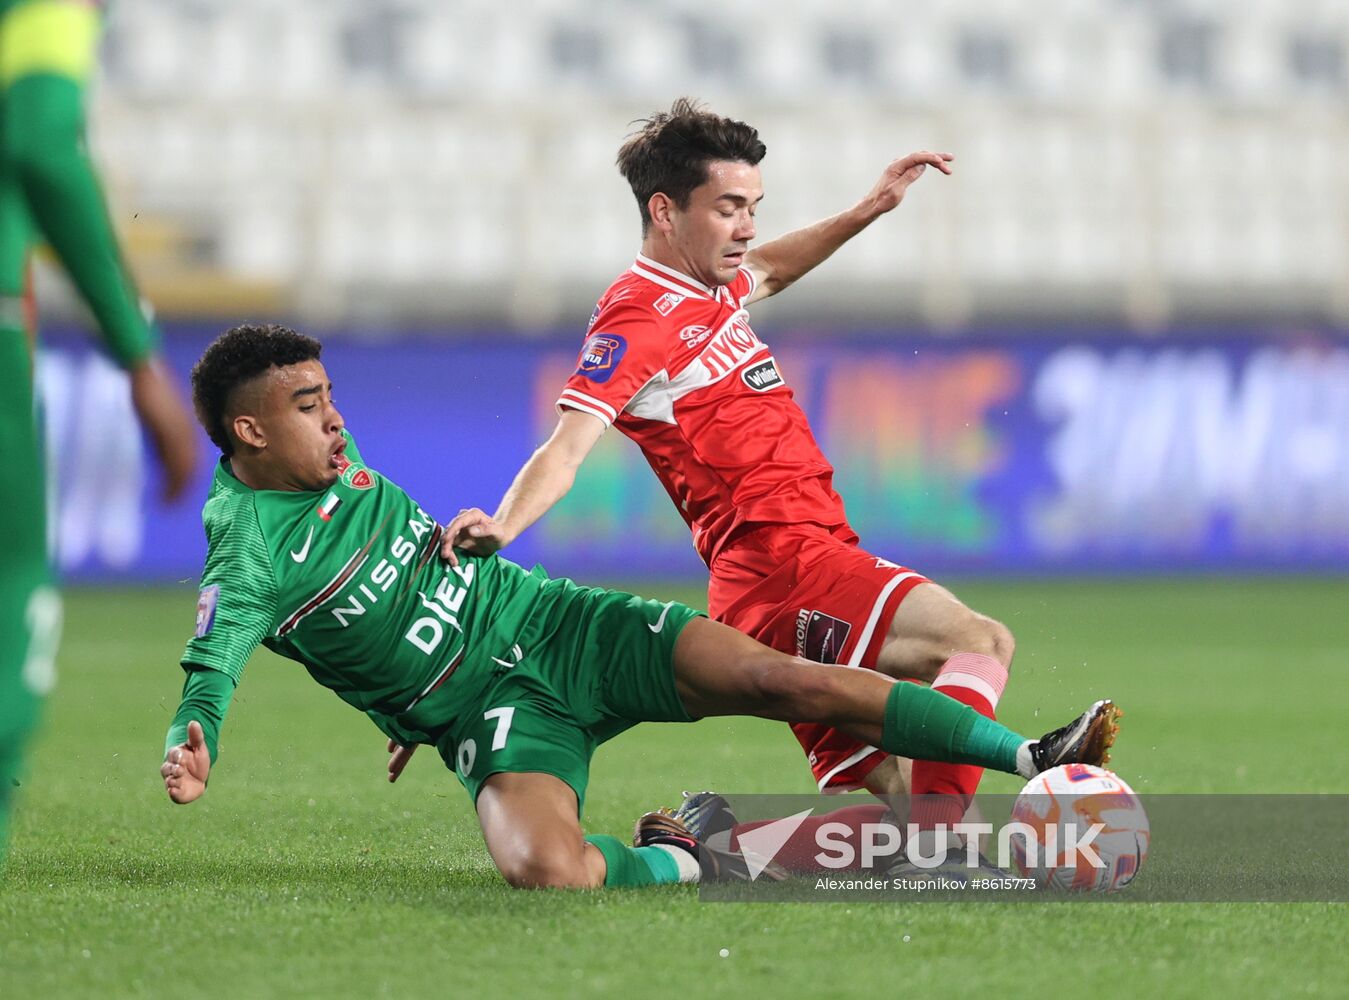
(672, 360)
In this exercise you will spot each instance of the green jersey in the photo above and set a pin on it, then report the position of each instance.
(348, 581)
(500, 669)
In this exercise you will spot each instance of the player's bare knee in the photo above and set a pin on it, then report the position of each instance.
(1004, 643)
(544, 868)
(981, 634)
(998, 641)
(972, 633)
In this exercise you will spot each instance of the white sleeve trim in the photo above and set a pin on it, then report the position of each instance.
(587, 404)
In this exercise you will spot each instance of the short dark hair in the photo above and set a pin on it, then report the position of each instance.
(237, 356)
(670, 152)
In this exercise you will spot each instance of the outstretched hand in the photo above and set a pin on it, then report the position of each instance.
(187, 766)
(896, 178)
(400, 755)
(474, 531)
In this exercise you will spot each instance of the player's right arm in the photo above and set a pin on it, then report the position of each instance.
(623, 353)
(540, 483)
(186, 767)
(193, 739)
(235, 611)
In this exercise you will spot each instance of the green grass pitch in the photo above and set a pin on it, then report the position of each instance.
(303, 873)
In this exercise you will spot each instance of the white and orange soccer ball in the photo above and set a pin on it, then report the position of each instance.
(1085, 830)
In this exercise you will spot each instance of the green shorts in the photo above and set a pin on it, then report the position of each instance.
(590, 664)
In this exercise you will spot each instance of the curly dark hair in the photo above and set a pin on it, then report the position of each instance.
(670, 152)
(237, 356)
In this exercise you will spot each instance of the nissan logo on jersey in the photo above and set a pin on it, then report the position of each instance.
(763, 376)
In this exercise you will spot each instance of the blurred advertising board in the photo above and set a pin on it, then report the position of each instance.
(1044, 454)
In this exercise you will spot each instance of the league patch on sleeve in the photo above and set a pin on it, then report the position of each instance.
(601, 356)
(206, 602)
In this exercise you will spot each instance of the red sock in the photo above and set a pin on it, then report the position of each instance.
(975, 680)
(798, 853)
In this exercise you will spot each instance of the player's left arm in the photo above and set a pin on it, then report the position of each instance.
(779, 263)
(399, 755)
(402, 744)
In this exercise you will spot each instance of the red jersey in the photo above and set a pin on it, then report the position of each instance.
(675, 365)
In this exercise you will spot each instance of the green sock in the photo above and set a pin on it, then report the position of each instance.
(627, 867)
(927, 725)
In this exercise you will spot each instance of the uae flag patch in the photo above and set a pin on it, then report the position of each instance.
(330, 504)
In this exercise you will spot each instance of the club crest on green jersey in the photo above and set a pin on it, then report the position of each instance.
(357, 476)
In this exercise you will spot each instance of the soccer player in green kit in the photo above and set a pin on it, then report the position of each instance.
(513, 677)
(48, 187)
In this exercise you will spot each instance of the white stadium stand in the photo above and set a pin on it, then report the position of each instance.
(1147, 161)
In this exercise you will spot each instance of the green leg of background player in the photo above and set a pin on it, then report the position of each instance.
(47, 53)
(29, 607)
(25, 594)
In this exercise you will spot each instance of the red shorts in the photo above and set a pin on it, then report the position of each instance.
(812, 592)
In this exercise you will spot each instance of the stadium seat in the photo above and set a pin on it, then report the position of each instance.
(1120, 134)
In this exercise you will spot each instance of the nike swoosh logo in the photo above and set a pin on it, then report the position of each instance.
(303, 554)
(660, 622)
